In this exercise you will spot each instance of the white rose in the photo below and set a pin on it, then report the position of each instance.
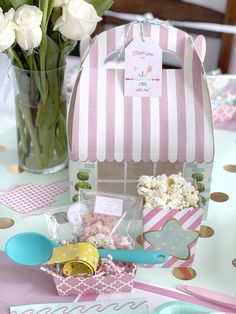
(7, 32)
(28, 19)
(78, 19)
(60, 3)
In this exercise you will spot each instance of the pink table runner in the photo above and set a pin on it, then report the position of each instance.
(25, 285)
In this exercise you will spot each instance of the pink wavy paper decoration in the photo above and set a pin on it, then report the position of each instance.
(96, 308)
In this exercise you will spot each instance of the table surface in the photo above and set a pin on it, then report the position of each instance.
(214, 257)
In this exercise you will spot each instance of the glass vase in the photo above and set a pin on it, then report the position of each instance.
(41, 108)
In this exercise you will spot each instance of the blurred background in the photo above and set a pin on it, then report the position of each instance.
(221, 47)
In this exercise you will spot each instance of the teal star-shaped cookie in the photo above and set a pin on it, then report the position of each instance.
(172, 239)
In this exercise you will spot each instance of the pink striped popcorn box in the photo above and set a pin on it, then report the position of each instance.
(173, 232)
(94, 285)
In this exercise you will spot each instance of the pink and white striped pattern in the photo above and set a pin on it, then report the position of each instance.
(155, 219)
(174, 127)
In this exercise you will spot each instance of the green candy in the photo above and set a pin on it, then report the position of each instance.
(83, 175)
(198, 176)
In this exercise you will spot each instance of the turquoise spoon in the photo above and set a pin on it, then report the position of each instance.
(31, 248)
(135, 256)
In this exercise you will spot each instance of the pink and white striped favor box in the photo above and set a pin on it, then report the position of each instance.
(114, 137)
(173, 232)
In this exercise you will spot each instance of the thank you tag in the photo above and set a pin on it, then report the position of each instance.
(108, 206)
(143, 69)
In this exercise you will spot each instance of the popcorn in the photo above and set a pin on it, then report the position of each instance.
(148, 181)
(167, 192)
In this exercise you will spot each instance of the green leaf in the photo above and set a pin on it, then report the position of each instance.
(18, 3)
(65, 49)
(43, 6)
(5, 5)
(53, 77)
(56, 36)
(91, 1)
(52, 54)
(101, 5)
(56, 13)
(50, 9)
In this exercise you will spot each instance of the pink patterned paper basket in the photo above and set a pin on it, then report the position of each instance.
(93, 285)
(174, 232)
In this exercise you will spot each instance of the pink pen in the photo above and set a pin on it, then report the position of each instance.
(209, 295)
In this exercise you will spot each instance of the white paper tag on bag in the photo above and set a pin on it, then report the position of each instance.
(108, 206)
(143, 69)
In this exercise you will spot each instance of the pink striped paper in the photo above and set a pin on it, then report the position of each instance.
(184, 130)
(189, 219)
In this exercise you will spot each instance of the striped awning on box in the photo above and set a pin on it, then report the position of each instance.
(175, 127)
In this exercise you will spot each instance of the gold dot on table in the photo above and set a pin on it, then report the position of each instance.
(184, 273)
(2, 149)
(230, 168)
(234, 262)
(6, 223)
(205, 232)
(219, 197)
(140, 239)
(14, 169)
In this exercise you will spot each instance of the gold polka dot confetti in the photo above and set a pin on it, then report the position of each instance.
(219, 197)
(234, 262)
(230, 168)
(2, 149)
(206, 232)
(140, 239)
(6, 223)
(184, 273)
(14, 169)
